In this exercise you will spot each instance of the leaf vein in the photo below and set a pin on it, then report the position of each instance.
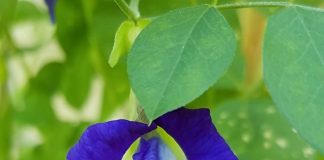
(310, 36)
(178, 60)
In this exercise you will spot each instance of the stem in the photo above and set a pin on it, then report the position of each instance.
(123, 6)
(215, 2)
(141, 117)
(253, 4)
(133, 5)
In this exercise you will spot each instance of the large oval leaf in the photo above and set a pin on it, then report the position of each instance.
(178, 56)
(294, 69)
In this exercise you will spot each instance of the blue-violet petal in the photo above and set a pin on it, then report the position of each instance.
(108, 141)
(51, 8)
(196, 135)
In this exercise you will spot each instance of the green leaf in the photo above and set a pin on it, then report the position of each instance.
(121, 45)
(256, 130)
(178, 57)
(294, 69)
(73, 38)
(228, 86)
(124, 38)
(76, 79)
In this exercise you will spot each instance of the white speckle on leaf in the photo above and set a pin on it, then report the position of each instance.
(282, 143)
(270, 110)
(294, 130)
(267, 134)
(246, 137)
(223, 115)
(308, 152)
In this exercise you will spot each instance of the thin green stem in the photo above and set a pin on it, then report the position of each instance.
(141, 117)
(133, 5)
(253, 5)
(215, 2)
(126, 10)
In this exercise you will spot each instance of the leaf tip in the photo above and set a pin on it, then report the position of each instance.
(112, 62)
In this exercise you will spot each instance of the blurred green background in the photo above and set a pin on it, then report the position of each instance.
(55, 80)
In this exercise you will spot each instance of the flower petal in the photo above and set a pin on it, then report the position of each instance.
(51, 8)
(195, 133)
(108, 140)
(153, 149)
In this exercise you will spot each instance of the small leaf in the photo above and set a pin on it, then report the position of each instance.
(124, 38)
(136, 30)
(294, 69)
(121, 45)
(256, 130)
(178, 57)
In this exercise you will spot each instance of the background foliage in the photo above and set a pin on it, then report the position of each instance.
(55, 80)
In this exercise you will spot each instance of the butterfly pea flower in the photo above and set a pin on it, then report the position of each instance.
(51, 9)
(193, 131)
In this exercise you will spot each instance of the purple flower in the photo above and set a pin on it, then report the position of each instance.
(193, 130)
(51, 8)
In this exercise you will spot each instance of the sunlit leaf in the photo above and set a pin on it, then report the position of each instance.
(124, 38)
(121, 44)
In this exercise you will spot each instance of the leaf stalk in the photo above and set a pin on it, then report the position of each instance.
(253, 5)
(123, 6)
